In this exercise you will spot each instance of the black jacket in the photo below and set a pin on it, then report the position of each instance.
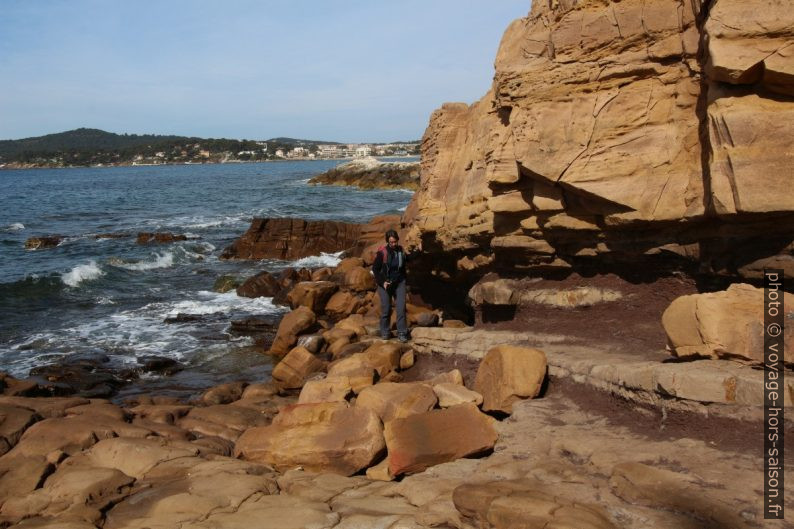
(383, 271)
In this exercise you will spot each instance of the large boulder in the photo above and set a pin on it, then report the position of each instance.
(262, 284)
(322, 437)
(359, 279)
(391, 400)
(420, 441)
(295, 367)
(294, 323)
(329, 389)
(725, 324)
(311, 294)
(343, 304)
(507, 374)
(290, 239)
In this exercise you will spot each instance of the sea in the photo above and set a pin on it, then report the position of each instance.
(121, 301)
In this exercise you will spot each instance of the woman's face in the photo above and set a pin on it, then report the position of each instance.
(392, 242)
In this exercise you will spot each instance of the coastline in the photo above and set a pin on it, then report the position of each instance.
(6, 167)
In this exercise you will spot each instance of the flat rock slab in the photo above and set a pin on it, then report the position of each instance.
(674, 384)
(426, 439)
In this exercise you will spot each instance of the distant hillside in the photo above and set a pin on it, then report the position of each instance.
(82, 140)
(294, 141)
(93, 147)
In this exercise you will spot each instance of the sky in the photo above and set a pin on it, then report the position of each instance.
(335, 70)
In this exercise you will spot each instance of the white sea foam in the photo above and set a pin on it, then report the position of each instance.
(207, 302)
(163, 260)
(15, 227)
(127, 334)
(80, 273)
(324, 259)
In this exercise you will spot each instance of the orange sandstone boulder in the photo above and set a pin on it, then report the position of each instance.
(391, 400)
(322, 437)
(290, 327)
(293, 369)
(426, 439)
(311, 294)
(507, 374)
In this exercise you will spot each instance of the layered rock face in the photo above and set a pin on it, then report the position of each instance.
(653, 134)
(292, 239)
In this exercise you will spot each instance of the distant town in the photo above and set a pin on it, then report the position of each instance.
(96, 148)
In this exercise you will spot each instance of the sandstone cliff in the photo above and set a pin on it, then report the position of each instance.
(645, 134)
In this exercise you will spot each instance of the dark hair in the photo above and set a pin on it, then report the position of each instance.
(390, 234)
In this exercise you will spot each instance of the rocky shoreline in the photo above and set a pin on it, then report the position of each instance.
(370, 173)
(466, 426)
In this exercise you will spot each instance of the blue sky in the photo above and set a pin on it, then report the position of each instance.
(345, 70)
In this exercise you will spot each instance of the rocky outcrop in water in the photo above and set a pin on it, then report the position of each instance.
(292, 239)
(160, 237)
(39, 243)
(620, 136)
(370, 173)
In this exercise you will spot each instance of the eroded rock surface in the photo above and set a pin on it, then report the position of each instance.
(614, 137)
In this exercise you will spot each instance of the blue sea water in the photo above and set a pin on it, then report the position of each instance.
(112, 296)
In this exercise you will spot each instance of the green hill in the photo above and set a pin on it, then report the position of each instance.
(81, 140)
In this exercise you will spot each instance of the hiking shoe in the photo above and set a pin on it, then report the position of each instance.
(403, 338)
(385, 336)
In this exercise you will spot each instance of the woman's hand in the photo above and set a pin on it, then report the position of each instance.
(386, 285)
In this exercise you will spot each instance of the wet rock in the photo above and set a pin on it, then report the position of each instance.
(226, 283)
(159, 364)
(323, 437)
(508, 373)
(263, 284)
(181, 317)
(40, 243)
(162, 237)
(111, 235)
(290, 239)
(254, 324)
(422, 440)
(88, 376)
(224, 393)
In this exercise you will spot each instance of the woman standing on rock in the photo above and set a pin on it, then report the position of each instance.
(389, 270)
